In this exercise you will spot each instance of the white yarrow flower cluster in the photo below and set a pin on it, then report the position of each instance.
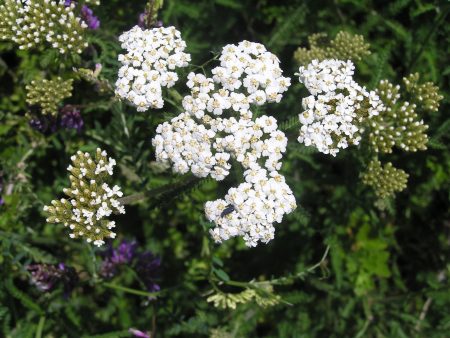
(337, 107)
(91, 200)
(149, 64)
(33, 23)
(203, 142)
(251, 209)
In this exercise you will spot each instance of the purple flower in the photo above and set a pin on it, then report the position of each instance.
(141, 20)
(146, 263)
(123, 254)
(71, 118)
(47, 276)
(67, 3)
(147, 266)
(138, 333)
(88, 16)
(143, 24)
(43, 124)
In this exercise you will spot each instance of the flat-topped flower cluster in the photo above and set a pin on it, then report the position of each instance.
(337, 107)
(91, 199)
(217, 125)
(149, 64)
(32, 23)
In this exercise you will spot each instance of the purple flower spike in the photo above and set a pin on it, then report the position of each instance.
(146, 263)
(141, 21)
(88, 16)
(71, 118)
(123, 254)
(44, 124)
(147, 267)
(138, 333)
(47, 276)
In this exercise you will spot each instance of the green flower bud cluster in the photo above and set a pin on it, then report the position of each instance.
(426, 95)
(220, 333)
(398, 125)
(384, 180)
(91, 200)
(93, 76)
(48, 94)
(92, 2)
(33, 23)
(345, 46)
(263, 295)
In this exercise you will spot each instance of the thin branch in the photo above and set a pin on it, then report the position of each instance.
(423, 314)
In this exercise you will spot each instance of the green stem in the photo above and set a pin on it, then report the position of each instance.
(133, 198)
(130, 290)
(40, 327)
(280, 280)
(158, 191)
(124, 122)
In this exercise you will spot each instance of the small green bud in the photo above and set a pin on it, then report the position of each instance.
(425, 95)
(398, 125)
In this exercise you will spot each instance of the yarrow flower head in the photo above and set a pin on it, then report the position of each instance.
(91, 199)
(337, 108)
(32, 23)
(149, 64)
(200, 140)
(48, 94)
(251, 209)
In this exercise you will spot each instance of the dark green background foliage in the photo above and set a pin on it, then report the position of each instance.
(387, 272)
